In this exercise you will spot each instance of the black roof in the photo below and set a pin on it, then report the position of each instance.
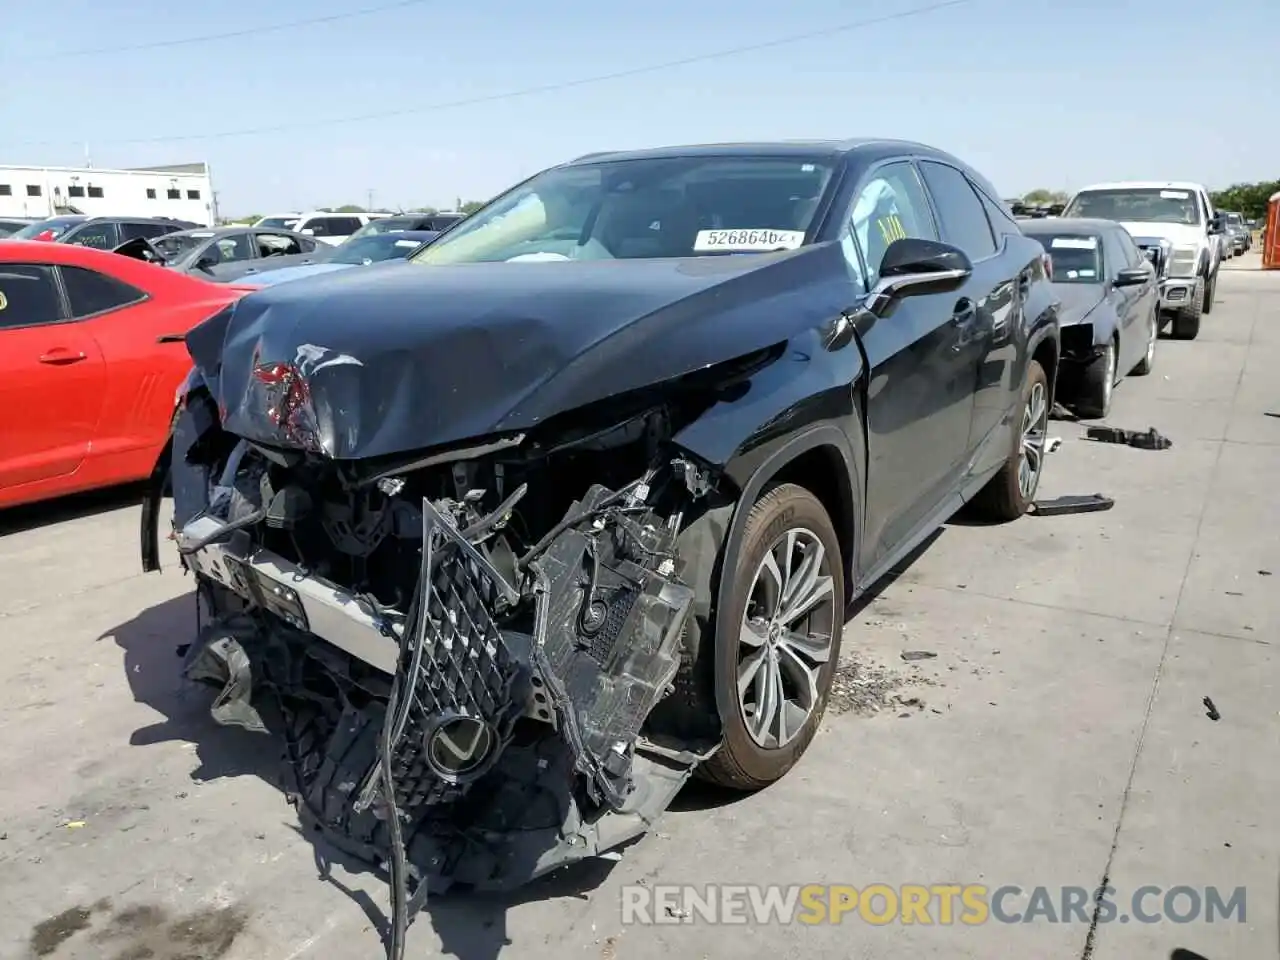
(869, 147)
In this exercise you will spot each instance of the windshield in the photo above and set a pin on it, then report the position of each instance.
(1235, 220)
(642, 209)
(279, 223)
(371, 249)
(56, 227)
(1077, 257)
(1144, 205)
(175, 246)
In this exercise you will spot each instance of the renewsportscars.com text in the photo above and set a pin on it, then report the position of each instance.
(880, 904)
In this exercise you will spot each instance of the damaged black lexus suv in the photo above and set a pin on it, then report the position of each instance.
(510, 539)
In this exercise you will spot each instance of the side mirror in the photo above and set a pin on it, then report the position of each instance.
(308, 232)
(1215, 223)
(206, 262)
(1132, 277)
(912, 266)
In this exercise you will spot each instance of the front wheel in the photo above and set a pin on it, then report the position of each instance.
(1210, 291)
(786, 602)
(1011, 491)
(1186, 322)
(1148, 360)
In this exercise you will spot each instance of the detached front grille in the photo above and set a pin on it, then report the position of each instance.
(461, 683)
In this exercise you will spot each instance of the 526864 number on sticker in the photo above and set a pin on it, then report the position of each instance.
(747, 241)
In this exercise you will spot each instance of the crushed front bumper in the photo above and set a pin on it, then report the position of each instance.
(278, 586)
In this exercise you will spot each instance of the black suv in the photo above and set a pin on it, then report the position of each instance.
(105, 233)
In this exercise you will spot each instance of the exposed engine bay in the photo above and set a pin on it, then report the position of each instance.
(462, 651)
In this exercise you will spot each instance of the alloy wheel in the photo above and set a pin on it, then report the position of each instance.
(1035, 419)
(786, 638)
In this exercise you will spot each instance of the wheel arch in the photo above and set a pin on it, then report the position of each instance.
(1045, 349)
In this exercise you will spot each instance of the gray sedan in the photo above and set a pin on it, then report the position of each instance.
(229, 253)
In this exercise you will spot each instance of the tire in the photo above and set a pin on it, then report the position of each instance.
(787, 519)
(1148, 360)
(1210, 291)
(1186, 321)
(1097, 382)
(1005, 497)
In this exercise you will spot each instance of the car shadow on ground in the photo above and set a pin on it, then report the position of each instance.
(470, 925)
(77, 506)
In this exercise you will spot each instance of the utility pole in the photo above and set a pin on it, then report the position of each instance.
(370, 197)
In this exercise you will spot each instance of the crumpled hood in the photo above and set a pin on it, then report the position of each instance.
(402, 356)
(1179, 234)
(1076, 301)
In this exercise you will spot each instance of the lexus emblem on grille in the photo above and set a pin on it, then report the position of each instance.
(459, 746)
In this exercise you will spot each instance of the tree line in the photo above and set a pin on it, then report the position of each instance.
(1247, 199)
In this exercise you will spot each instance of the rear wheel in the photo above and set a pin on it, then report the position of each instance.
(1096, 384)
(786, 602)
(1011, 491)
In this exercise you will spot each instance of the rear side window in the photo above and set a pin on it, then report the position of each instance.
(101, 236)
(28, 295)
(90, 292)
(964, 221)
(277, 245)
(131, 231)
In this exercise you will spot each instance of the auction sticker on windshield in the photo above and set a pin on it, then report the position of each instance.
(747, 241)
(1075, 243)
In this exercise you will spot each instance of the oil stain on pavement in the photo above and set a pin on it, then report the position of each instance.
(139, 932)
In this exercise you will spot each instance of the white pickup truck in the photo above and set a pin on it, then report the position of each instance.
(1175, 224)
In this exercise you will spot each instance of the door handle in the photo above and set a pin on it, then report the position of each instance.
(61, 357)
(171, 338)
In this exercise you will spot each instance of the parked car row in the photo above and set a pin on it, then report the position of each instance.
(334, 228)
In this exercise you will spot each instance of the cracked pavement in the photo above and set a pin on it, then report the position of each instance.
(1057, 738)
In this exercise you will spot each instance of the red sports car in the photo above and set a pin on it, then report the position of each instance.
(91, 354)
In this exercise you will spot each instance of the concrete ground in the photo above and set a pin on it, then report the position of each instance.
(1057, 738)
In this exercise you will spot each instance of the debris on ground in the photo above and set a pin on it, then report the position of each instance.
(1149, 439)
(1264, 573)
(1211, 711)
(1059, 412)
(910, 655)
(1052, 444)
(1086, 503)
(865, 689)
(1272, 413)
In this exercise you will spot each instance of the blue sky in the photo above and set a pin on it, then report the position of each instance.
(1032, 92)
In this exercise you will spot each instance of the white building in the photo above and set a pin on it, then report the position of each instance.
(182, 191)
